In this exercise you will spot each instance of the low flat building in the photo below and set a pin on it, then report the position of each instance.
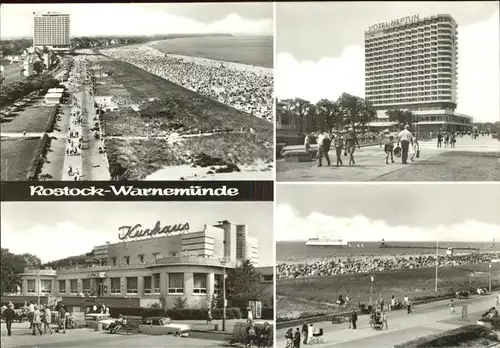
(154, 265)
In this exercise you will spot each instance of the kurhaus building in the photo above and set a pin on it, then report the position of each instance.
(411, 63)
(154, 265)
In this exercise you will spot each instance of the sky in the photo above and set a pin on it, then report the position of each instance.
(146, 19)
(38, 228)
(320, 49)
(365, 212)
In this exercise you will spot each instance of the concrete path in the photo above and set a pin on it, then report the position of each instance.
(425, 320)
(370, 162)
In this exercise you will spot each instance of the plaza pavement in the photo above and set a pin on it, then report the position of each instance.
(426, 319)
(434, 164)
(202, 337)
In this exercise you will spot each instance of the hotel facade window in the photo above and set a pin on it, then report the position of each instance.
(127, 260)
(148, 285)
(116, 287)
(31, 286)
(86, 286)
(132, 286)
(62, 286)
(199, 283)
(156, 283)
(46, 286)
(175, 283)
(73, 286)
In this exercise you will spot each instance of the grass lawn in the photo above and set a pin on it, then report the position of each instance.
(33, 119)
(451, 166)
(177, 109)
(139, 158)
(417, 283)
(17, 155)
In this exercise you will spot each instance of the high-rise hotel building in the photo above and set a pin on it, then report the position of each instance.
(411, 64)
(51, 30)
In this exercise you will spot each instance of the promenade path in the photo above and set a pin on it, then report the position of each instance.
(22, 338)
(470, 160)
(426, 319)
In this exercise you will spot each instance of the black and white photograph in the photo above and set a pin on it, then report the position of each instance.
(387, 91)
(157, 274)
(137, 91)
(389, 265)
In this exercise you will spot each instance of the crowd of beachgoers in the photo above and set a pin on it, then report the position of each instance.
(349, 265)
(244, 87)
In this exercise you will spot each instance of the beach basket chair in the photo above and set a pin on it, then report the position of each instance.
(317, 337)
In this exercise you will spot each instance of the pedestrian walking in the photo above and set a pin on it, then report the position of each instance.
(47, 319)
(384, 319)
(305, 331)
(452, 307)
(209, 316)
(324, 143)
(62, 317)
(350, 143)
(31, 310)
(389, 150)
(408, 306)
(339, 145)
(296, 339)
(37, 322)
(440, 140)
(289, 338)
(415, 149)
(9, 314)
(464, 312)
(405, 138)
(354, 319)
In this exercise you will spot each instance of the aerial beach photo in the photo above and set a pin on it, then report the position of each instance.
(189, 98)
(403, 253)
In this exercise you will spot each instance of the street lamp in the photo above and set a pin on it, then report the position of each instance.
(40, 285)
(224, 301)
(489, 290)
(372, 279)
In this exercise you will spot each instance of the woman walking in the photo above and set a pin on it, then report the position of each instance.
(350, 142)
(37, 322)
(47, 319)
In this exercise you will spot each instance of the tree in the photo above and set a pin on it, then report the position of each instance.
(331, 115)
(11, 266)
(356, 112)
(301, 111)
(400, 117)
(241, 286)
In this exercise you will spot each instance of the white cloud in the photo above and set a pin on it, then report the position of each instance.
(125, 19)
(51, 242)
(289, 226)
(478, 72)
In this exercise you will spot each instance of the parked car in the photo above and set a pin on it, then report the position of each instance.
(163, 326)
(92, 319)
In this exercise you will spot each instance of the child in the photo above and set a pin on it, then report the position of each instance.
(339, 145)
(389, 150)
(414, 149)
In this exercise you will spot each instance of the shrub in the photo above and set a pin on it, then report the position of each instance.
(137, 311)
(38, 158)
(51, 121)
(202, 314)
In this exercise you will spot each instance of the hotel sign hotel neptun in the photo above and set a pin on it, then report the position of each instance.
(386, 25)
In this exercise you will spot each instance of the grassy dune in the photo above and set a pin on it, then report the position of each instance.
(318, 294)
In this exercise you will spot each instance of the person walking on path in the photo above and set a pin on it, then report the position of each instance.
(440, 140)
(405, 138)
(354, 319)
(350, 143)
(415, 149)
(452, 307)
(339, 145)
(408, 306)
(389, 150)
(305, 331)
(37, 322)
(324, 143)
(296, 339)
(9, 315)
(384, 319)
(47, 319)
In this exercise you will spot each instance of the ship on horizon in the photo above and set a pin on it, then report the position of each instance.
(327, 241)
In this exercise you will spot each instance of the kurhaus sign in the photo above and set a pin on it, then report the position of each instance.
(137, 231)
(400, 21)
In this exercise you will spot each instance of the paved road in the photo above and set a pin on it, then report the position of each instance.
(433, 165)
(426, 319)
(22, 338)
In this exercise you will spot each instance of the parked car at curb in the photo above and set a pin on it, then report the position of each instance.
(163, 326)
(92, 319)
